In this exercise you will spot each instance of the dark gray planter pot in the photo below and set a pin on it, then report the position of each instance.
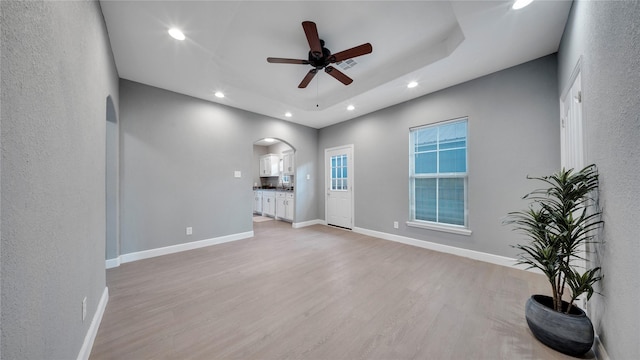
(571, 333)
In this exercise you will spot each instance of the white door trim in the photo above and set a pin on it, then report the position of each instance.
(351, 177)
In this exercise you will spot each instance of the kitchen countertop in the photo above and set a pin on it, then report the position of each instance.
(274, 189)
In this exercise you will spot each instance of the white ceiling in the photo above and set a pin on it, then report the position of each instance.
(437, 43)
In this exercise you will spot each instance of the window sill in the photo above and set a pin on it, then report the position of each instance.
(439, 227)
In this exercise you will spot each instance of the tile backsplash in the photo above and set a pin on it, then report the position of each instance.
(275, 182)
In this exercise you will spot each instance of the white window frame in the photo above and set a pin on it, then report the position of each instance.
(434, 225)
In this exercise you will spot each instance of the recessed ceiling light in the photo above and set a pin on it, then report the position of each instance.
(412, 84)
(176, 34)
(219, 94)
(269, 140)
(287, 114)
(351, 107)
(519, 4)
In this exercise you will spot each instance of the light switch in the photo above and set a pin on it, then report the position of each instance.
(308, 176)
(237, 174)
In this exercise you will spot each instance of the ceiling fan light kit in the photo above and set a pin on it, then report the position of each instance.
(320, 57)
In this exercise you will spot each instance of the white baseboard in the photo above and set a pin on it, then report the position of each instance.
(471, 254)
(308, 223)
(112, 263)
(87, 345)
(139, 255)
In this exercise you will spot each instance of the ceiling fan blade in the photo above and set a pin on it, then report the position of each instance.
(339, 75)
(311, 31)
(307, 79)
(287, 61)
(351, 53)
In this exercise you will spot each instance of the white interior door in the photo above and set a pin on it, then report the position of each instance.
(572, 141)
(339, 185)
(571, 132)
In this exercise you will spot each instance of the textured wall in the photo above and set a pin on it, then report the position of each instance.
(513, 131)
(606, 36)
(57, 71)
(178, 157)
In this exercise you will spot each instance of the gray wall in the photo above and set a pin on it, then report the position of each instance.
(606, 36)
(57, 72)
(513, 131)
(178, 157)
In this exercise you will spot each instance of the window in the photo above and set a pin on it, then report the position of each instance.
(339, 172)
(438, 174)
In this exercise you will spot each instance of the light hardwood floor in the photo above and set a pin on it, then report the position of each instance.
(317, 293)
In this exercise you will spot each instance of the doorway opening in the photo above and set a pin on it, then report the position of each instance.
(112, 230)
(274, 179)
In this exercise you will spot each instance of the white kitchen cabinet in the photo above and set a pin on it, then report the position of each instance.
(269, 203)
(269, 165)
(281, 207)
(284, 205)
(288, 166)
(257, 202)
(290, 202)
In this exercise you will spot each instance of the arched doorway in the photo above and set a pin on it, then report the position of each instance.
(112, 236)
(274, 177)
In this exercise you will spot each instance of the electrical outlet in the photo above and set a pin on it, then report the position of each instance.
(395, 224)
(84, 308)
(189, 230)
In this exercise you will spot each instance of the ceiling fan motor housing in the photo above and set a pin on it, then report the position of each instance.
(320, 61)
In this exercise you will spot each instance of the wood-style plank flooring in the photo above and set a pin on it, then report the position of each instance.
(317, 293)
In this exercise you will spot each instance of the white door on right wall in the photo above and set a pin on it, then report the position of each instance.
(571, 128)
(572, 142)
(339, 184)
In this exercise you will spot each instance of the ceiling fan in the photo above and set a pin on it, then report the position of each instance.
(321, 58)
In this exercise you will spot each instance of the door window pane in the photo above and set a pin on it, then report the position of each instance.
(339, 172)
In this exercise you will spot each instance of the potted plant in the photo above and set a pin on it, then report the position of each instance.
(560, 220)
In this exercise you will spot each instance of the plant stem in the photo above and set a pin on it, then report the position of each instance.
(569, 307)
(559, 293)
